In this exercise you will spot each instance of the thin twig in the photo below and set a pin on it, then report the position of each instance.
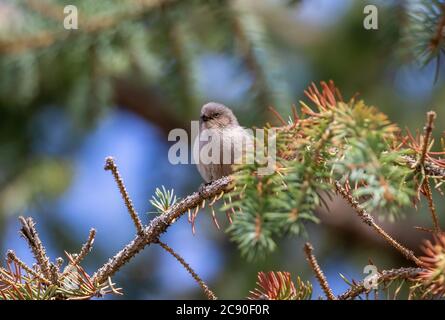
(59, 263)
(424, 229)
(12, 257)
(428, 129)
(210, 295)
(159, 225)
(54, 274)
(110, 165)
(318, 273)
(29, 233)
(385, 275)
(430, 168)
(429, 197)
(368, 219)
(86, 248)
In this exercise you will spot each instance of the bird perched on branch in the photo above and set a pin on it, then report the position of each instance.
(221, 142)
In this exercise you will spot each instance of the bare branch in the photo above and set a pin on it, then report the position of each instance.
(110, 165)
(318, 272)
(420, 164)
(12, 257)
(428, 129)
(86, 248)
(29, 233)
(368, 219)
(210, 295)
(429, 197)
(54, 274)
(159, 225)
(430, 168)
(385, 275)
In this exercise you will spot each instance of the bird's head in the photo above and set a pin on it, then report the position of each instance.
(217, 116)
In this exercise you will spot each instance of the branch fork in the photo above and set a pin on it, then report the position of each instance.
(151, 233)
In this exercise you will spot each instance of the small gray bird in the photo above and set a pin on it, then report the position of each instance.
(220, 128)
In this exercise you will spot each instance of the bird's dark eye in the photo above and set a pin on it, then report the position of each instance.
(216, 114)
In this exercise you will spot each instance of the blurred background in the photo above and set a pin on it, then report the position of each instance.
(134, 70)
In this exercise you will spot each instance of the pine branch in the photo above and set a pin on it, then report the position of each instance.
(110, 165)
(386, 275)
(11, 256)
(45, 281)
(431, 169)
(317, 143)
(70, 286)
(86, 248)
(432, 207)
(29, 233)
(420, 164)
(428, 129)
(318, 272)
(333, 141)
(210, 295)
(151, 233)
(368, 219)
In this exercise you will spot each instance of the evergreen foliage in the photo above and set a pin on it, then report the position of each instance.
(334, 140)
(424, 34)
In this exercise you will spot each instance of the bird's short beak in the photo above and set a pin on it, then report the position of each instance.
(204, 118)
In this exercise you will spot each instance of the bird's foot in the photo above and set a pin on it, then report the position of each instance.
(202, 187)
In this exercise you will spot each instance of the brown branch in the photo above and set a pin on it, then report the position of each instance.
(12, 257)
(54, 274)
(368, 219)
(430, 168)
(59, 263)
(383, 276)
(29, 233)
(318, 273)
(110, 165)
(86, 248)
(159, 225)
(428, 129)
(420, 164)
(429, 197)
(210, 295)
